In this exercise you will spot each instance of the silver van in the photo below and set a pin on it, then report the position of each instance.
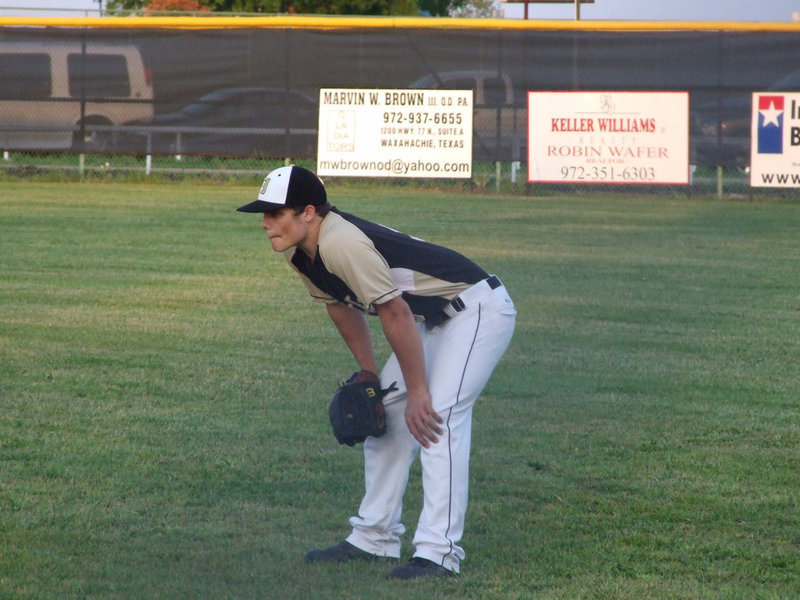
(62, 95)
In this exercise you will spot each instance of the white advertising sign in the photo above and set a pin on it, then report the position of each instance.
(395, 133)
(608, 137)
(775, 140)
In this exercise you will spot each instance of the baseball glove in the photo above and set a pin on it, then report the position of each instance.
(356, 410)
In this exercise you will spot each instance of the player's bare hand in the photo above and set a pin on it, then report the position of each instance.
(423, 422)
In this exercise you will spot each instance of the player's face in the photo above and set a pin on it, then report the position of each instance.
(285, 229)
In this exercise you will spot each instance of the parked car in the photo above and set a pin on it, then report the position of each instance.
(247, 121)
(68, 95)
(721, 130)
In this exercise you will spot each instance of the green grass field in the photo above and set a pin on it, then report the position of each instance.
(164, 386)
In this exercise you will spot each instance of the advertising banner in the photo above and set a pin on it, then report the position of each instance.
(608, 137)
(395, 133)
(775, 140)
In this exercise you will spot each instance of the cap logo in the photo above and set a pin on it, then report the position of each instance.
(264, 186)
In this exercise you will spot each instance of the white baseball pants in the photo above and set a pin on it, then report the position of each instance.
(460, 356)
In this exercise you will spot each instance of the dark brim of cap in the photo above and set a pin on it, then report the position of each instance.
(259, 206)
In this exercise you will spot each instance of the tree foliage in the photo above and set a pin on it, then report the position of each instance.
(439, 8)
(247, 6)
(357, 7)
(436, 8)
(472, 9)
(177, 5)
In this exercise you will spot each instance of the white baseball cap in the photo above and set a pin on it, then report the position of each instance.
(287, 186)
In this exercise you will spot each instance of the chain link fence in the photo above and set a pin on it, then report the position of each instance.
(116, 98)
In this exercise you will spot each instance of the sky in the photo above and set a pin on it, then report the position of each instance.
(54, 8)
(780, 11)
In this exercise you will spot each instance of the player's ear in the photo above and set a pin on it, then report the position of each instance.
(309, 212)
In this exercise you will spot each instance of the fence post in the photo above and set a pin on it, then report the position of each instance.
(148, 159)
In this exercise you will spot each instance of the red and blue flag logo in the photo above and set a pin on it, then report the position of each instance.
(770, 124)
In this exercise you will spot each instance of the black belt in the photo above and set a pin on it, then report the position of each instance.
(458, 303)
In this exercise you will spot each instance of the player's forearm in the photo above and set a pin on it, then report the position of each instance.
(403, 336)
(401, 332)
(353, 328)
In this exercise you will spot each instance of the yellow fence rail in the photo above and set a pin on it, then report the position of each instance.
(344, 22)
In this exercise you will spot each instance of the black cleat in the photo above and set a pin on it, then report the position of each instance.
(342, 552)
(419, 567)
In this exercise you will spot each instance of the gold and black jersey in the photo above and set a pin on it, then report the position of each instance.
(363, 264)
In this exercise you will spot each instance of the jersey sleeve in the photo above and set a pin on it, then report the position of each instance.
(352, 256)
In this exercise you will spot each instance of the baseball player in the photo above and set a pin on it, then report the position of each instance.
(448, 323)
